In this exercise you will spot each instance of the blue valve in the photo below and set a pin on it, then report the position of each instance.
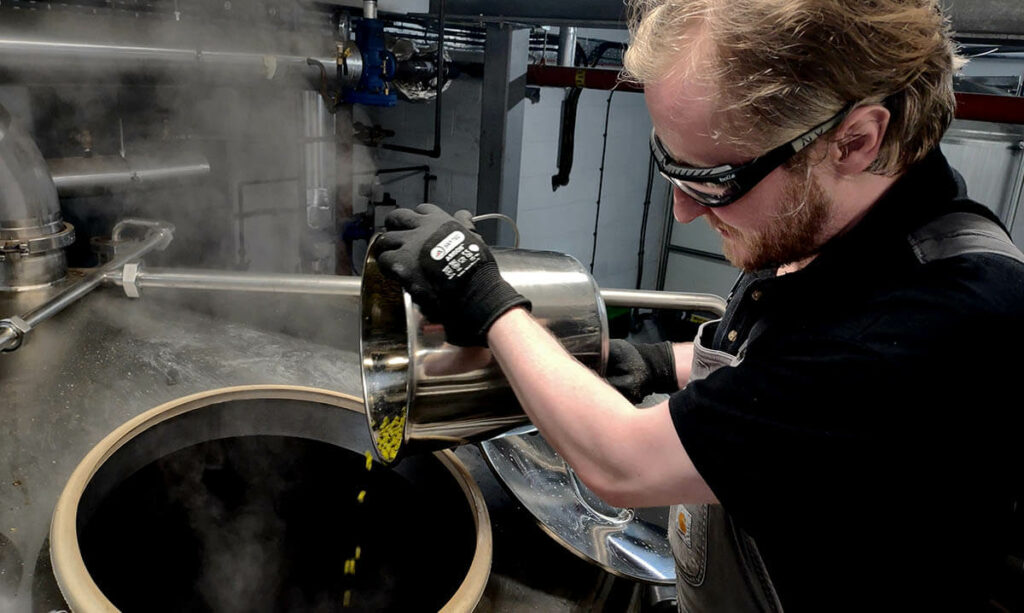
(379, 65)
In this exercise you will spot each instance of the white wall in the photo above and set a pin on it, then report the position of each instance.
(560, 221)
(456, 169)
(563, 220)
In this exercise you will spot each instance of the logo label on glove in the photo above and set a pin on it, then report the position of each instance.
(446, 246)
(456, 254)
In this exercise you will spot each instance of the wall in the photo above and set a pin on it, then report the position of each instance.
(986, 162)
(456, 169)
(557, 221)
(563, 220)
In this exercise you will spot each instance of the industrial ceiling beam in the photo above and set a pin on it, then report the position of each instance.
(974, 20)
(978, 107)
(986, 20)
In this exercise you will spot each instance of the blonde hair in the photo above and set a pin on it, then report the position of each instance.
(783, 66)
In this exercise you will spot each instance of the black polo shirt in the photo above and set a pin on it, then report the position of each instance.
(869, 439)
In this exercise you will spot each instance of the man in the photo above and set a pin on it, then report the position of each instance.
(841, 439)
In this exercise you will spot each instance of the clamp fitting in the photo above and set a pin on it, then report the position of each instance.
(19, 327)
(130, 279)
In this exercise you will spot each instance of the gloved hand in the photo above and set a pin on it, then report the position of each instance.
(638, 370)
(448, 270)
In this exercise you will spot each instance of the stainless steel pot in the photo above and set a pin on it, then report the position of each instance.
(422, 394)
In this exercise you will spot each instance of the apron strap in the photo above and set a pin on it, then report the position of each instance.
(959, 234)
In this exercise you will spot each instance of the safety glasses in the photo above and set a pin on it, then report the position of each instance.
(722, 185)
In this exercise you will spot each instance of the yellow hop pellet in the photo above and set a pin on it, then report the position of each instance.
(362, 496)
(359, 552)
(389, 437)
(347, 600)
(369, 460)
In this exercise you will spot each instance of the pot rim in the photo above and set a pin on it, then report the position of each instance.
(84, 596)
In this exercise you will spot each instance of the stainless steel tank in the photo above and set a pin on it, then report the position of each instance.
(32, 232)
(262, 498)
(423, 394)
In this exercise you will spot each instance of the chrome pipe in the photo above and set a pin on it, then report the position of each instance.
(20, 52)
(643, 299)
(567, 46)
(233, 281)
(158, 236)
(73, 176)
(212, 280)
(32, 232)
(369, 9)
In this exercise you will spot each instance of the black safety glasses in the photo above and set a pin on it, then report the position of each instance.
(722, 185)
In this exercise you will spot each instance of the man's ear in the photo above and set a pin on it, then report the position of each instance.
(857, 141)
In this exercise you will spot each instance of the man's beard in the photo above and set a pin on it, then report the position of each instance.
(792, 236)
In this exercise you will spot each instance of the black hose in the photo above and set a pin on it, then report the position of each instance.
(600, 180)
(643, 224)
(567, 139)
(603, 48)
(427, 177)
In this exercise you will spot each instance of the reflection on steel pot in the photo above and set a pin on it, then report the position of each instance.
(423, 394)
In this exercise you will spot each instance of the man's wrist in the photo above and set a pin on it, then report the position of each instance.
(682, 353)
(504, 322)
(486, 297)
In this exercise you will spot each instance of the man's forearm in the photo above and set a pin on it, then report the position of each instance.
(628, 456)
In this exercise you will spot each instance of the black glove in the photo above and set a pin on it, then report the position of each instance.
(448, 270)
(638, 370)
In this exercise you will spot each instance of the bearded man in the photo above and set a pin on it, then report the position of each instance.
(841, 438)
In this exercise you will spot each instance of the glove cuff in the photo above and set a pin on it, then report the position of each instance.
(661, 361)
(486, 299)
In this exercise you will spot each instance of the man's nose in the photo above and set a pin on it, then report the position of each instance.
(685, 209)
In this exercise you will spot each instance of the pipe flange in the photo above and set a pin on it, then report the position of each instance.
(19, 327)
(350, 63)
(130, 279)
(39, 244)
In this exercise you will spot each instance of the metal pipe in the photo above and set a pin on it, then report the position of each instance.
(32, 231)
(644, 299)
(427, 177)
(13, 330)
(434, 152)
(74, 176)
(370, 9)
(350, 286)
(233, 281)
(22, 52)
(567, 46)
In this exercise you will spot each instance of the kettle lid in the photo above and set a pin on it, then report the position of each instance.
(629, 543)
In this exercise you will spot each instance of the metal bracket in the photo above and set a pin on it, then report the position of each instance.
(19, 327)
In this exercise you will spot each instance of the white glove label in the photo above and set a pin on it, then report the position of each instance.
(446, 246)
(461, 259)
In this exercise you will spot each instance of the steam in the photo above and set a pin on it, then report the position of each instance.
(242, 549)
